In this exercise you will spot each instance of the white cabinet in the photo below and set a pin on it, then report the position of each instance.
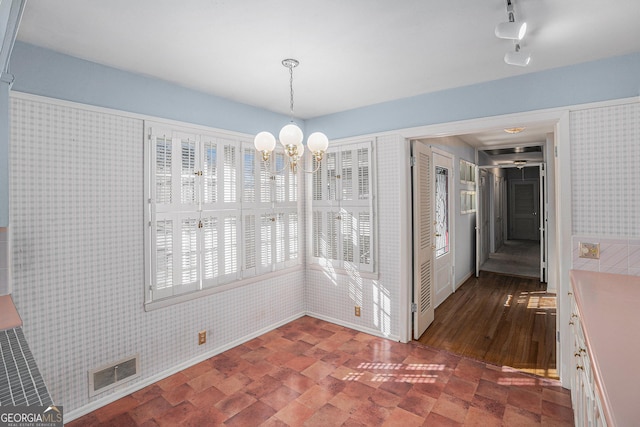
(585, 396)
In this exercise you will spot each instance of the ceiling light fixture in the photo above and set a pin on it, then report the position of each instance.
(517, 57)
(511, 30)
(291, 135)
(520, 163)
(514, 130)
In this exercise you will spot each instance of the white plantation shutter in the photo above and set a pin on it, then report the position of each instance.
(211, 201)
(342, 208)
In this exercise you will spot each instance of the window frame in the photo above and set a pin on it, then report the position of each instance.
(234, 206)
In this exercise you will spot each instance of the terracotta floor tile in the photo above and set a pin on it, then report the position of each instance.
(257, 354)
(207, 397)
(122, 420)
(461, 388)
(492, 391)
(470, 370)
(279, 358)
(179, 394)
(556, 396)
(173, 381)
(396, 385)
(345, 402)
(233, 384)
(552, 422)
(280, 397)
(253, 415)
(557, 412)
(441, 421)
(318, 370)
(524, 399)
(146, 394)
(314, 373)
(478, 417)
(198, 369)
(262, 386)
(514, 416)
(489, 406)
(205, 380)
(235, 403)
(332, 385)
(451, 407)
(417, 403)
(327, 415)
(300, 363)
(401, 418)
(386, 399)
(315, 398)
(371, 414)
(294, 380)
(176, 415)
(151, 409)
(294, 414)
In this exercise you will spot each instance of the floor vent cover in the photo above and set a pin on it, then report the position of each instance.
(108, 377)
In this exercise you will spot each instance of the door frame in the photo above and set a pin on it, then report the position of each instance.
(560, 245)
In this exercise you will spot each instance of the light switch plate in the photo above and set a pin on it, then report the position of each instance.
(589, 250)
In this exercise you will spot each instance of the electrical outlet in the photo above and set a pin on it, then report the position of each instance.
(589, 250)
(357, 313)
(202, 337)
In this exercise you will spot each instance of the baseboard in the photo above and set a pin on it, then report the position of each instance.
(353, 326)
(464, 279)
(77, 413)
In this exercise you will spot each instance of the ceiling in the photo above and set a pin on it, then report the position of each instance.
(352, 53)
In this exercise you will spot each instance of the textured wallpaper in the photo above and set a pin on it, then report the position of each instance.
(605, 154)
(76, 204)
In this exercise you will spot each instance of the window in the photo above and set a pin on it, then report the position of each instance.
(216, 212)
(467, 201)
(342, 216)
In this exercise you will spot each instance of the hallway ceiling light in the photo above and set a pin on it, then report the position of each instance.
(520, 163)
(511, 29)
(514, 130)
(291, 135)
(517, 57)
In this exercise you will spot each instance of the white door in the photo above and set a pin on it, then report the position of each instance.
(443, 227)
(422, 246)
(484, 209)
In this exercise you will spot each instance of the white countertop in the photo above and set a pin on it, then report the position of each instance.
(609, 306)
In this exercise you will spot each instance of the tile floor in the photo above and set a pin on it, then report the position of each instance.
(313, 373)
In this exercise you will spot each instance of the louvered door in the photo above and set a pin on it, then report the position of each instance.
(422, 240)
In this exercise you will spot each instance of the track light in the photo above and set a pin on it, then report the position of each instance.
(511, 30)
(517, 57)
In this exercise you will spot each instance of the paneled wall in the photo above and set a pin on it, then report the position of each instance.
(77, 257)
(605, 154)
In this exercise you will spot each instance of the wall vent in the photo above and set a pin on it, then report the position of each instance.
(108, 377)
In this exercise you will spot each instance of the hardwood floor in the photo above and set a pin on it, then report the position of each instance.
(500, 319)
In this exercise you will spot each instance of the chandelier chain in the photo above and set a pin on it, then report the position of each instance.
(291, 89)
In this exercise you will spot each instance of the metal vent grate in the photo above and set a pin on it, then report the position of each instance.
(108, 377)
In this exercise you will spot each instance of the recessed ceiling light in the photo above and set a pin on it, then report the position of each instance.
(514, 130)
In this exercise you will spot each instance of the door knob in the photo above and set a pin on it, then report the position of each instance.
(438, 234)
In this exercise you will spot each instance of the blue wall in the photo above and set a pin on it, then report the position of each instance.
(612, 78)
(43, 72)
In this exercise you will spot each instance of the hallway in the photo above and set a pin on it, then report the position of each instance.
(515, 257)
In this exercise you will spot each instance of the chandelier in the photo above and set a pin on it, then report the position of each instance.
(291, 135)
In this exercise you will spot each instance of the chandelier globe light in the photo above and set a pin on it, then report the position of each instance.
(291, 136)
